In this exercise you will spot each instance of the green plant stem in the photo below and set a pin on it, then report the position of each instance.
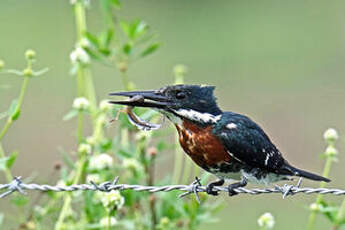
(8, 173)
(79, 11)
(90, 90)
(10, 120)
(81, 28)
(325, 173)
(150, 181)
(125, 80)
(80, 127)
(340, 216)
(9, 123)
(68, 198)
(85, 88)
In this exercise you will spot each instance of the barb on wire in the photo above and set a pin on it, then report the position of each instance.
(17, 185)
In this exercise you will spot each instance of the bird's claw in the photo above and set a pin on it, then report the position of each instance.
(232, 187)
(209, 190)
(231, 191)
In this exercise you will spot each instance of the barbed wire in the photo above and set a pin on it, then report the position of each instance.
(17, 185)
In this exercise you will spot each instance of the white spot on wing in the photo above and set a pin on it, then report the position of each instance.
(231, 126)
(233, 156)
(267, 158)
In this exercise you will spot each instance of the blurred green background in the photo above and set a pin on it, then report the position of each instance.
(280, 62)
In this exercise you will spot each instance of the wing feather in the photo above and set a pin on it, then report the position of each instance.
(247, 142)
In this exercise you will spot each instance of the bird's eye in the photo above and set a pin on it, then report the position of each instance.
(180, 95)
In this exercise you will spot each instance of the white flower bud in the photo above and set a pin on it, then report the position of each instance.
(315, 207)
(143, 135)
(30, 54)
(30, 225)
(164, 221)
(131, 164)
(90, 140)
(330, 135)
(28, 72)
(331, 151)
(79, 55)
(101, 161)
(111, 199)
(108, 222)
(40, 210)
(180, 70)
(2, 64)
(81, 103)
(85, 43)
(105, 105)
(85, 148)
(266, 221)
(61, 183)
(101, 120)
(93, 177)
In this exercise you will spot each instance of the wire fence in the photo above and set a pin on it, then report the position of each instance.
(17, 185)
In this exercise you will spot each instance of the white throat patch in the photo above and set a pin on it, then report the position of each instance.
(197, 116)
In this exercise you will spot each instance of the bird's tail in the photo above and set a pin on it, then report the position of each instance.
(292, 171)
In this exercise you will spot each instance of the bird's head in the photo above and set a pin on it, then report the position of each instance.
(192, 102)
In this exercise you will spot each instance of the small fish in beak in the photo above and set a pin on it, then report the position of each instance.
(137, 121)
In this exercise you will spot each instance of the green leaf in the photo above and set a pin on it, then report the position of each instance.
(20, 200)
(116, 3)
(137, 28)
(161, 146)
(13, 111)
(127, 48)
(125, 27)
(150, 49)
(93, 54)
(70, 115)
(124, 153)
(3, 163)
(93, 39)
(40, 72)
(7, 162)
(108, 37)
(11, 159)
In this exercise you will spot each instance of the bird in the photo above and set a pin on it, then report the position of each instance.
(226, 144)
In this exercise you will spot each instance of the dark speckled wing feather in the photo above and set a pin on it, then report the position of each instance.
(247, 142)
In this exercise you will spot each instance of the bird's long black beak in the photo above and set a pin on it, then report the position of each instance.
(150, 99)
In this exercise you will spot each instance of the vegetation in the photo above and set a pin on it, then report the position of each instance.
(127, 152)
(102, 156)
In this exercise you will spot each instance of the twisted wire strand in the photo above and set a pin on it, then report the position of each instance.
(18, 185)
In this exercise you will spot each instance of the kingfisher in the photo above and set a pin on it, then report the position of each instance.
(227, 144)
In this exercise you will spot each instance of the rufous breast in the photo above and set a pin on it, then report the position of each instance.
(201, 145)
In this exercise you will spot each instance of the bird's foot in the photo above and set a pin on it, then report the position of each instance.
(232, 187)
(210, 186)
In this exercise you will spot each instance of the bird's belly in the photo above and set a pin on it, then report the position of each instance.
(229, 175)
(202, 146)
(265, 179)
